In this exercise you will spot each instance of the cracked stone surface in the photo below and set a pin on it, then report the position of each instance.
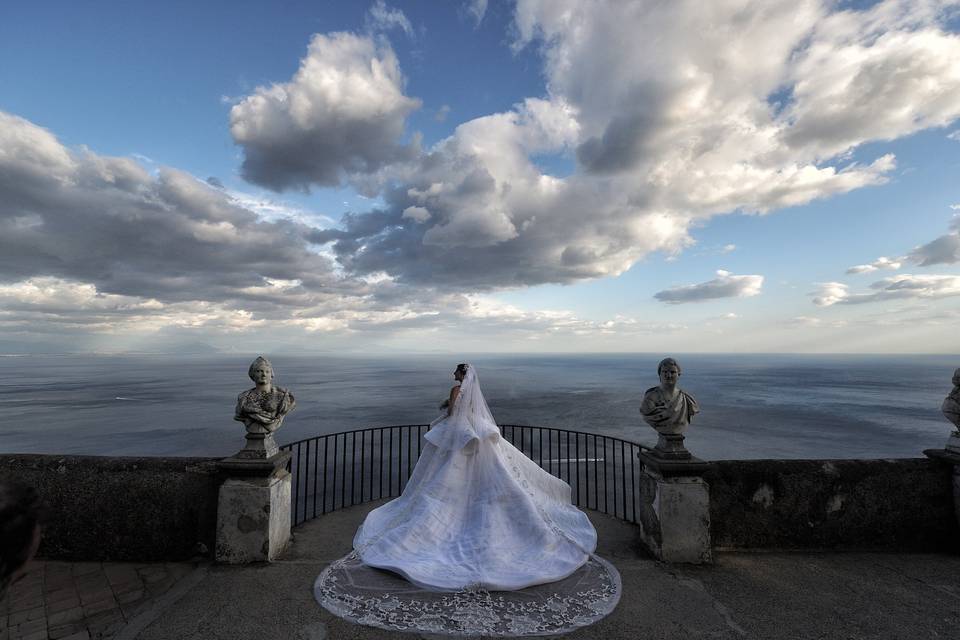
(83, 600)
(801, 595)
(742, 595)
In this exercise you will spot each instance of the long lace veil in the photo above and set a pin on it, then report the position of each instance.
(431, 509)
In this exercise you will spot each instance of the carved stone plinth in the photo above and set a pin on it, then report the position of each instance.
(953, 442)
(253, 510)
(670, 447)
(675, 510)
(260, 446)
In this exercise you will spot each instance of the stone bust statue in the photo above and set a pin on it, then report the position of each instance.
(951, 404)
(669, 409)
(262, 409)
(951, 410)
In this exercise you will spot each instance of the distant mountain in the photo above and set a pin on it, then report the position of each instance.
(18, 347)
(58, 347)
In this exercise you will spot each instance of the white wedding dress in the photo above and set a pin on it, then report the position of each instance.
(476, 513)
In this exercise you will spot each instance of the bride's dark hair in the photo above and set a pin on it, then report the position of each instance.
(462, 368)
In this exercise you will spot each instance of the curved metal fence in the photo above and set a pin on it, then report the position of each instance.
(340, 470)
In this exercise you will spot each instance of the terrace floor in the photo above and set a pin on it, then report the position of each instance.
(800, 595)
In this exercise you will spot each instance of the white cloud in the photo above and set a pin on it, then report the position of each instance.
(32, 155)
(954, 135)
(880, 263)
(728, 248)
(879, 74)
(417, 214)
(383, 18)
(668, 131)
(342, 113)
(815, 323)
(840, 77)
(107, 224)
(70, 306)
(142, 158)
(95, 246)
(899, 287)
(725, 285)
(830, 293)
(442, 113)
(271, 209)
(942, 250)
(482, 309)
(770, 104)
(476, 9)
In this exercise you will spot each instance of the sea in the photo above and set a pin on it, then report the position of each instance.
(752, 406)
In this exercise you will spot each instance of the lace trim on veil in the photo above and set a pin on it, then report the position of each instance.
(353, 591)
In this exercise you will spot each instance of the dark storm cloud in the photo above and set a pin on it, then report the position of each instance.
(107, 222)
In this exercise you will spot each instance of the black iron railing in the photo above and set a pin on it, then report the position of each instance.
(352, 467)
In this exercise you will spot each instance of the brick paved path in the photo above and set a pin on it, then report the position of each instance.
(82, 600)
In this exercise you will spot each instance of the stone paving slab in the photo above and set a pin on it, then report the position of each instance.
(787, 596)
(83, 600)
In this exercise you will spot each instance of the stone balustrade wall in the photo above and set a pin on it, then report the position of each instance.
(106, 508)
(902, 504)
(148, 509)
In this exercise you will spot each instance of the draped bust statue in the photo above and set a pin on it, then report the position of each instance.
(668, 409)
(951, 404)
(951, 410)
(262, 409)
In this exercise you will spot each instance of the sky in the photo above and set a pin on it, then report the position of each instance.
(480, 176)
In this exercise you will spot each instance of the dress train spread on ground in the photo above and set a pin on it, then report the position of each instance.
(477, 512)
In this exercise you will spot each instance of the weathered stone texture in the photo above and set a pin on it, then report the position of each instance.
(679, 529)
(145, 509)
(902, 504)
(107, 508)
(253, 519)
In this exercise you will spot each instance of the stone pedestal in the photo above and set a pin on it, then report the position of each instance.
(675, 514)
(260, 446)
(952, 458)
(670, 447)
(953, 442)
(253, 510)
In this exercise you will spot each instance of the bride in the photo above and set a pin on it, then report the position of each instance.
(476, 512)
